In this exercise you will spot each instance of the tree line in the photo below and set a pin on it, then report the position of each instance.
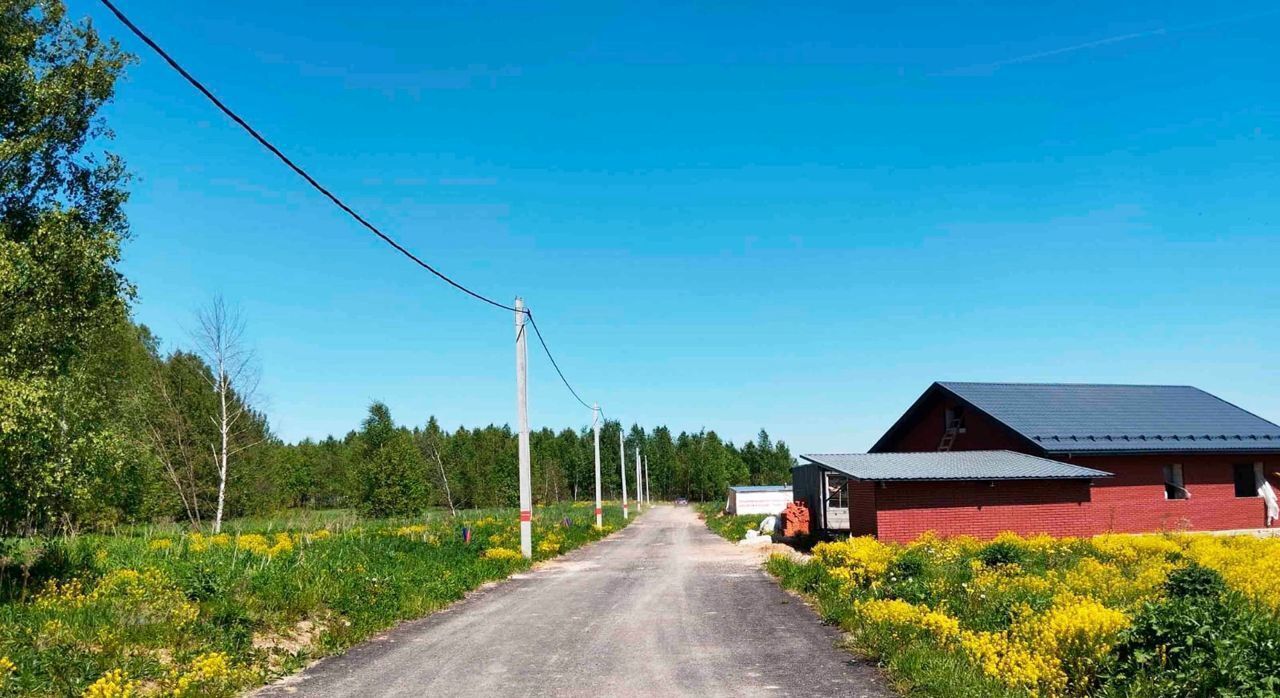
(100, 427)
(384, 468)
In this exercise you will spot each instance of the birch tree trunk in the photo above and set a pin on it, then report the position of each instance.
(221, 341)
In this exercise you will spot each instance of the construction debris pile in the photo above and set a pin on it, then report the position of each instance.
(795, 520)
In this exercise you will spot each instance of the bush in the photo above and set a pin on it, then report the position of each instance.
(1199, 646)
(1001, 553)
(1193, 581)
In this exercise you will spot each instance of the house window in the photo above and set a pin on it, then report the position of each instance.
(954, 418)
(1247, 476)
(1174, 488)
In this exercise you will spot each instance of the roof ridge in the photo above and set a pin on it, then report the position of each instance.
(1081, 385)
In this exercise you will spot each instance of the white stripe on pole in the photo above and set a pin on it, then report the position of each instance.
(622, 465)
(595, 426)
(522, 410)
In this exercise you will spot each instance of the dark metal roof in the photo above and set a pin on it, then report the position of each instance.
(1090, 418)
(760, 488)
(951, 465)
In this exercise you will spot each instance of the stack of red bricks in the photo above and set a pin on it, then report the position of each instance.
(795, 520)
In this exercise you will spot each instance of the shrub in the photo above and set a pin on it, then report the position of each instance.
(1193, 581)
(1199, 646)
(1001, 552)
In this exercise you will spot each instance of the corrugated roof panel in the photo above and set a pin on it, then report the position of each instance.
(952, 465)
(1079, 418)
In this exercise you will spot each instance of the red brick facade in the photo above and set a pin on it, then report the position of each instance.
(1131, 501)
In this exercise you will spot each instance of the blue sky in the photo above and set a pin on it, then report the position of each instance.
(733, 215)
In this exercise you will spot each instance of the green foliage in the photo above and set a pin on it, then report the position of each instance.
(728, 526)
(60, 293)
(393, 473)
(1192, 581)
(1001, 553)
(1202, 642)
(267, 598)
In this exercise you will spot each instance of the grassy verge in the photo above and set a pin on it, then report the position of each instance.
(727, 526)
(162, 613)
(1111, 616)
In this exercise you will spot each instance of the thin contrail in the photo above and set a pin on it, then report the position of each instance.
(987, 68)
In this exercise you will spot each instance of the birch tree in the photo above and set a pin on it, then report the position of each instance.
(233, 376)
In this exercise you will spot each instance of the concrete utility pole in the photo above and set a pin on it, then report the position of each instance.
(522, 412)
(648, 491)
(639, 482)
(595, 426)
(622, 465)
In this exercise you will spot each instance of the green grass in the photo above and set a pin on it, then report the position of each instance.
(915, 664)
(730, 527)
(198, 615)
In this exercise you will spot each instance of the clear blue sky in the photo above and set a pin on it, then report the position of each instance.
(734, 216)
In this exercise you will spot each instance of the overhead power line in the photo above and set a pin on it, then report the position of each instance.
(290, 163)
(328, 194)
(554, 365)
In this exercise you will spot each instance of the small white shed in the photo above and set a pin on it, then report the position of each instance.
(758, 499)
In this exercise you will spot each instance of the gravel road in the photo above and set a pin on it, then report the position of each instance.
(661, 608)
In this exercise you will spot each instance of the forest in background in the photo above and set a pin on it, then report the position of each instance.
(100, 427)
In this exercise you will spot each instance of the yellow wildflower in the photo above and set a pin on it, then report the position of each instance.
(113, 684)
(504, 554)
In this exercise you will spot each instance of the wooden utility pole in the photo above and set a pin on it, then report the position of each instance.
(522, 412)
(622, 465)
(639, 483)
(595, 426)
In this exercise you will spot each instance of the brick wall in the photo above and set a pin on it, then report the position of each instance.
(862, 508)
(1134, 501)
(907, 509)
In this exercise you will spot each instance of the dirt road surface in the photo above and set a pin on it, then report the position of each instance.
(661, 608)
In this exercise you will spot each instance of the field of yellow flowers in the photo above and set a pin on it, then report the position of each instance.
(163, 613)
(1115, 615)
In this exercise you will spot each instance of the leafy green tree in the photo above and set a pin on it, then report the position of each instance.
(61, 226)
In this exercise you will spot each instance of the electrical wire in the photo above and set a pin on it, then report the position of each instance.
(328, 194)
(555, 365)
(288, 162)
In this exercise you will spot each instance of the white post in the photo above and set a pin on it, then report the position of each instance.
(622, 465)
(595, 426)
(522, 411)
(639, 482)
(648, 491)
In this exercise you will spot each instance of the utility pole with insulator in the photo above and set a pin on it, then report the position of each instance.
(622, 465)
(595, 427)
(522, 412)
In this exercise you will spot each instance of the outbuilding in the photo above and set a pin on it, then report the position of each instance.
(758, 499)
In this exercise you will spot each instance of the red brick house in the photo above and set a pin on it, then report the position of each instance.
(980, 458)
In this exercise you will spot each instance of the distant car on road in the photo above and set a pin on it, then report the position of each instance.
(682, 502)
